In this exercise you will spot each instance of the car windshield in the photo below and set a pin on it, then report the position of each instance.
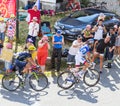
(87, 18)
(78, 14)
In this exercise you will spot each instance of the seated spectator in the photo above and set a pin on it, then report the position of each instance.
(87, 33)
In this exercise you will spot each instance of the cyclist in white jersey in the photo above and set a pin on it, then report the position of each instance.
(82, 56)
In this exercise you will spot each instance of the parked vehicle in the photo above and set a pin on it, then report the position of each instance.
(73, 24)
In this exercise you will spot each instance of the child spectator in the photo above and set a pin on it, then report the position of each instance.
(7, 54)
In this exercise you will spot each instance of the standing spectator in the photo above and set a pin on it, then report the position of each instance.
(1, 46)
(2, 29)
(99, 50)
(111, 47)
(58, 42)
(7, 54)
(34, 12)
(117, 44)
(116, 29)
(99, 29)
(74, 49)
(11, 28)
(33, 30)
(87, 33)
(42, 52)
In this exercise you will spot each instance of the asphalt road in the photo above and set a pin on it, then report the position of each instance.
(105, 93)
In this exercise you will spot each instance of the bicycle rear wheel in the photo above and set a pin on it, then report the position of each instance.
(38, 81)
(66, 80)
(91, 78)
(11, 82)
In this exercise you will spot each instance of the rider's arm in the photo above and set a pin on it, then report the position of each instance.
(89, 56)
(31, 61)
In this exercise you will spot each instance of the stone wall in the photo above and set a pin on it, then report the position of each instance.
(112, 5)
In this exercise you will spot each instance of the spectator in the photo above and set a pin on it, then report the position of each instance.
(1, 46)
(58, 42)
(116, 29)
(101, 16)
(99, 29)
(11, 28)
(111, 47)
(42, 52)
(117, 44)
(7, 54)
(28, 43)
(99, 50)
(2, 29)
(34, 12)
(74, 49)
(87, 33)
(33, 30)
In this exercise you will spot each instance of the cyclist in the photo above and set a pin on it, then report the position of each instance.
(82, 56)
(24, 60)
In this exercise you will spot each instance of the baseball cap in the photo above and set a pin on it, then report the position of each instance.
(59, 32)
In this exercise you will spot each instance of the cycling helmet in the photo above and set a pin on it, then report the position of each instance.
(31, 48)
(90, 41)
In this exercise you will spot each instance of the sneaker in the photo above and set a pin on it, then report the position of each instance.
(100, 72)
(107, 66)
(93, 65)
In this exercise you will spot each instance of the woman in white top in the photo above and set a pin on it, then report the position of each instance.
(99, 29)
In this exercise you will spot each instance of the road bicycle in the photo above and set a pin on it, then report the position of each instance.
(99, 5)
(68, 78)
(37, 80)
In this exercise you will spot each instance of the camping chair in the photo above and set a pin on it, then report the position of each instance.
(45, 28)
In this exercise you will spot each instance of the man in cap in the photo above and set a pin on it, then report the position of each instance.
(58, 42)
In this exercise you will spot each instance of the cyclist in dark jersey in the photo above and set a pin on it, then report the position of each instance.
(24, 60)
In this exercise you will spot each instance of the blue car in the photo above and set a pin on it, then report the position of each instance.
(73, 24)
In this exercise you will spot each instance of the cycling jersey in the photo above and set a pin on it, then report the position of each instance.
(23, 56)
(84, 49)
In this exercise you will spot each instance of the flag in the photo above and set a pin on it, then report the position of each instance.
(38, 4)
(8, 7)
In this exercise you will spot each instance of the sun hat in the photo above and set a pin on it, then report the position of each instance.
(9, 45)
(44, 38)
(1, 19)
(12, 16)
(88, 26)
(30, 40)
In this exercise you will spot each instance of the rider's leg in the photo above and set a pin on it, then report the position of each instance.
(101, 56)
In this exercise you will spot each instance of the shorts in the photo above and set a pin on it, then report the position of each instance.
(20, 64)
(7, 65)
(101, 54)
(10, 37)
(79, 59)
(70, 58)
(2, 36)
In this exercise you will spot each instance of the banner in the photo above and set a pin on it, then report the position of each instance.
(8, 7)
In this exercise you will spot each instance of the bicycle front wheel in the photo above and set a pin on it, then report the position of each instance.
(66, 80)
(11, 82)
(38, 81)
(91, 77)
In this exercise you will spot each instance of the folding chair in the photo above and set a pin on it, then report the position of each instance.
(45, 28)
